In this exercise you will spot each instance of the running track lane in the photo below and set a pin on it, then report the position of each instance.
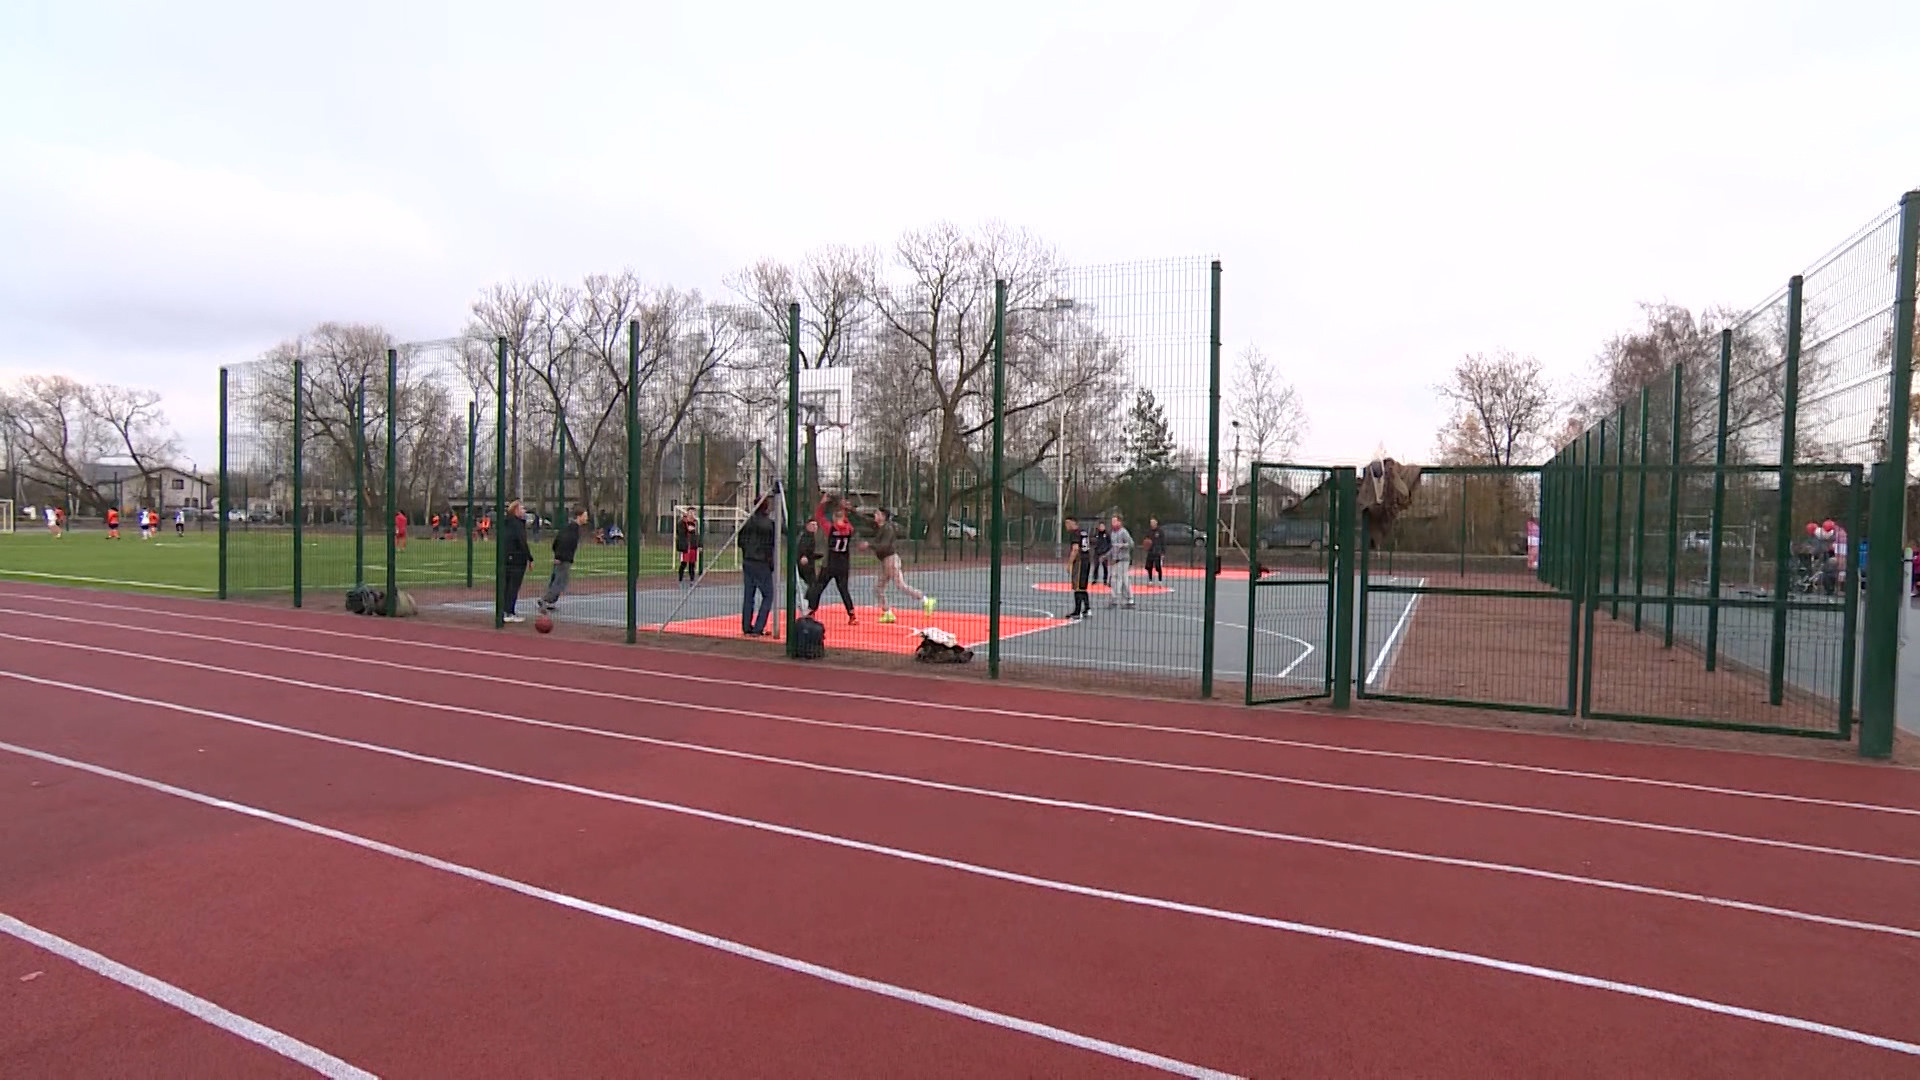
(63, 1020)
(978, 700)
(1443, 994)
(1813, 882)
(410, 972)
(1778, 816)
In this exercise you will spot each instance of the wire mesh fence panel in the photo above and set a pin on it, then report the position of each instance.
(1290, 528)
(259, 482)
(1108, 423)
(1453, 613)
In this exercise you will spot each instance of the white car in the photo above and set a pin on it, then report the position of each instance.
(958, 530)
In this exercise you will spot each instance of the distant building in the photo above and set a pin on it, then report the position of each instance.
(166, 489)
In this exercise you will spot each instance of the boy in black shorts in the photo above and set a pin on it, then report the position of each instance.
(1079, 567)
(838, 566)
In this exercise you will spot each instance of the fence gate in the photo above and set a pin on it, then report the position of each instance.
(1287, 524)
(1454, 608)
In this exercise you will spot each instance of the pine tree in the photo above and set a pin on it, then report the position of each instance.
(1146, 438)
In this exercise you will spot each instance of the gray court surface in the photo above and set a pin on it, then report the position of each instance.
(1158, 639)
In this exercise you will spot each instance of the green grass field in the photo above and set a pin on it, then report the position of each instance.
(261, 561)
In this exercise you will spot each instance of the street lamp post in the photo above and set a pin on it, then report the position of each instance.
(1233, 491)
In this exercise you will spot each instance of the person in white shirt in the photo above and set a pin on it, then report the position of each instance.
(1120, 581)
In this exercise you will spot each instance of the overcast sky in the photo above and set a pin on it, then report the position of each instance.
(1390, 185)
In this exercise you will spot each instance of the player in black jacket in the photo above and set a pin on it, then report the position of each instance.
(1079, 567)
(756, 566)
(517, 556)
(566, 543)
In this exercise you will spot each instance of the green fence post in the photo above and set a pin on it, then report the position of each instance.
(1346, 491)
(225, 509)
(360, 483)
(1886, 593)
(1783, 526)
(473, 433)
(1360, 671)
(1850, 602)
(299, 487)
(1716, 526)
(913, 496)
(793, 473)
(1253, 585)
(1619, 501)
(1600, 477)
(1463, 525)
(996, 504)
(1568, 487)
(701, 498)
(1640, 512)
(393, 481)
(1210, 592)
(633, 480)
(1673, 500)
(1587, 567)
(499, 482)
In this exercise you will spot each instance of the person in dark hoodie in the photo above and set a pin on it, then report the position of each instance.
(513, 536)
(756, 567)
(885, 537)
(807, 554)
(1102, 555)
(566, 543)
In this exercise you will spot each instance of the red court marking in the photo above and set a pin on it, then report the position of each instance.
(1061, 586)
(872, 635)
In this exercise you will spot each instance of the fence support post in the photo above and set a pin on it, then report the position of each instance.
(393, 481)
(793, 473)
(360, 483)
(997, 499)
(1719, 503)
(225, 509)
(1600, 478)
(1673, 498)
(499, 482)
(1783, 525)
(299, 487)
(1253, 583)
(1346, 492)
(1640, 513)
(1886, 593)
(473, 433)
(633, 480)
(1210, 592)
(1619, 500)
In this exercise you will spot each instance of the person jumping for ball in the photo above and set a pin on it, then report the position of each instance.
(885, 537)
(839, 561)
(566, 543)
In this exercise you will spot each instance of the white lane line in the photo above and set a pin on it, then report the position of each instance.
(1198, 824)
(1386, 647)
(1147, 763)
(632, 671)
(1554, 975)
(672, 930)
(197, 1007)
(105, 581)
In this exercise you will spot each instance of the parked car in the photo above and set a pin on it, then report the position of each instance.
(960, 530)
(1181, 534)
(237, 515)
(1294, 532)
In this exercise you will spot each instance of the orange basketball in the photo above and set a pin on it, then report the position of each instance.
(543, 624)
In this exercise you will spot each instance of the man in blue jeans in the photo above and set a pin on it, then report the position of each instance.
(756, 566)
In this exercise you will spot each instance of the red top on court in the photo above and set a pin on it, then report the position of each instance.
(400, 522)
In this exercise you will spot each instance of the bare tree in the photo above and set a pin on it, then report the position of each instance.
(1267, 408)
(57, 435)
(1503, 410)
(138, 426)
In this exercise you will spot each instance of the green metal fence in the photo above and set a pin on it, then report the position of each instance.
(971, 414)
(1293, 529)
(1716, 525)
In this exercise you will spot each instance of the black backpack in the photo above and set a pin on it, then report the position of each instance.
(932, 652)
(809, 638)
(364, 600)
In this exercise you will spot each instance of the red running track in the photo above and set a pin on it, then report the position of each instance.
(1170, 887)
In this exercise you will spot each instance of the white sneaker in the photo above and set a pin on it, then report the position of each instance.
(514, 619)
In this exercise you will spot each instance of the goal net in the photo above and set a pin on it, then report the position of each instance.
(6, 515)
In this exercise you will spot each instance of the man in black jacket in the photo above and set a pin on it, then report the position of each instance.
(756, 566)
(513, 537)
(566, 543)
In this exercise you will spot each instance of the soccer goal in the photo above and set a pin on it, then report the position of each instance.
(6, 515)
